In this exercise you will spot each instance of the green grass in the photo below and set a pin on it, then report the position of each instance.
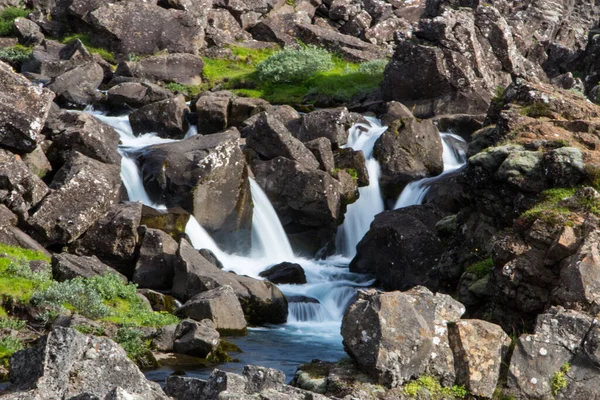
(7, 17)
(548, 208)
(481, 268)
(17, 281)
(431, 385)
(339, 84)
(86, 40)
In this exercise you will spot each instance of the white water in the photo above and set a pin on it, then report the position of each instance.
(360, 214)
(414, 193)
(329, 281)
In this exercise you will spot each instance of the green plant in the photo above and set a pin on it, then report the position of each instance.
(373, 67)
(90, 330)
(8, 346)
(537, 109)
(87, 42)
(559, 379)
(294, 65)
(7, 18)
(499, 93)
(15, 55)
(433, 387)
(11, 323)
(481, 268)
(136, 348)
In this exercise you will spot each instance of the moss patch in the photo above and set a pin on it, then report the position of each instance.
(431, 386)
(481, 268)
(87, 41)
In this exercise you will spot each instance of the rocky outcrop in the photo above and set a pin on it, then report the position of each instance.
(101, 366)
(118, 28)
(155, 265)
(78, 86)
(182, 68)
(84, 190)
(332, 124)
(207, 176)
(401, 248)
(454, 62)
(219, 305)
(21, 123)
(67, 266)
(167, 118)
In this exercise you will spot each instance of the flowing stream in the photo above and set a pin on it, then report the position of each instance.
(315, 308)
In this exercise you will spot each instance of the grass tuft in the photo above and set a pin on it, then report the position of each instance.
(87, 42)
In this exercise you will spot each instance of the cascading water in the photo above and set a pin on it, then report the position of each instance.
(454, 158)
(360, 214)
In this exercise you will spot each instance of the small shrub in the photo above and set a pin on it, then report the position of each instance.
(8, 346)
(353, 173)
(176, 87)
(373, 67)
(11, 323)
(15, 55)
(294, 65)
(481, 268)
(7, 18)
(499, 93)
(137, 349)
(559, 380)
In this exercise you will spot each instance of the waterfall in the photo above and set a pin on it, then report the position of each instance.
(360, 214)
(454, 158)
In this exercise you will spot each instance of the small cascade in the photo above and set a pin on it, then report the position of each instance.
(454, 158)
(360, 214)
(307, 312)
(269, 240)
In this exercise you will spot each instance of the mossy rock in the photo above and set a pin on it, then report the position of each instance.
(173, 221)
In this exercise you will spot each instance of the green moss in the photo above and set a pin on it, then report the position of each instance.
(90, 330)
(316, 370)
(220, 354)
(538, 109)
(20, 253)
(17, 281)
(481, 268)
(548, 208)
(87, 41)
(7, 18)
(431, 386)
(559, 379)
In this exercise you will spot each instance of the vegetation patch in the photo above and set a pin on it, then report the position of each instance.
(431, 386)
(538, 109)
(304, 76)
(137, 348)
(15, 55)
(482, 268)
(8, 346)
(559, 379)
(7, 18)
(87, 41)
(17, 280)
(549, 208)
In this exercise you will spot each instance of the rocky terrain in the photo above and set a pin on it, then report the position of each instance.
(487, 287)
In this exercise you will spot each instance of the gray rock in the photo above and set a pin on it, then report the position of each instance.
(197, 339)
(37, 162)
(155, 266)
(330, 123)
(262, 378)
(160, 301)
(370, 329)
(166, 118)
(219, 305)
(221, 381)
(47, 369)
(21, 125)
(84, 190)
(349, 159)
(321, 149)
(136, 94)
(185, 69)
(212, 109)
(270, 139)
(28, 32)
(564, 166)
(185, 388)
(78, 86)
(164, 339)
(67, 266)
(479, 348)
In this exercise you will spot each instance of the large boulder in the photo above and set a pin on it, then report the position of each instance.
(270, 139)
(221, 306)
(136, 94)
(85, 134)
(207, 176)
(479, 349)
(387, 337)
(330, 123)
(155, 266)
(261, 301)
(67, 266)
(113, 238)
(185, 69)
(167, 118)
(21, 122)
(142, 28)
(408, 150)
(28, 32)
(20, 190)
(84, 190)
(401, 248)
(222, 109)
(78, 86)
(101, 366)
(285, 273)
(454, 62)
(197, 339)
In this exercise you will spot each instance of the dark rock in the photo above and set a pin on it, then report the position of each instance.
(78, 86)
(349, 159)
(219, 305)
(13, 236)
(212, 109)
(45, 370)
(165, 338)
(22, 122)
(171, 221)
(28, 32)
(166, 118)
(85, 134)
(185, 69)
(321, 149)
(370, 329)
(211, 257)
(280, 28)
(184, 387)
(330, 123)
(37, 162)
(84, 191)
(350, 48)
(285, 272)
(113, 238)
(383, 32)
(221, 381)
(118, 28)
(198, 339)
(207, 176)
(223, 29)
(242, 108)
(401, 248)
(136, 94)
(155, 267)
(479, 349)
(270, 139)
(159, 301)
(67, 266)
(24, 190)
